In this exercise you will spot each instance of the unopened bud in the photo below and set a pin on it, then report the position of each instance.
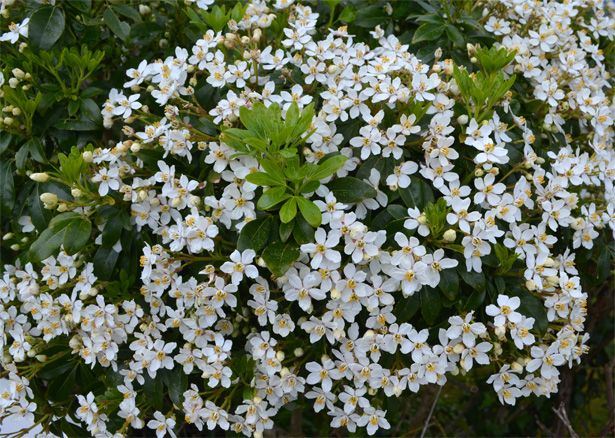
(18, 73)
(76, 192)
(298, 352)
(462, 119)
(49, 199)
(450, 235)
(87, 156)
(422, 219)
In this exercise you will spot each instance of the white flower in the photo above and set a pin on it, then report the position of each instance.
(465, 328)
(547, 359)
(373, 419)
(505, 310)
(162, 425)
(432, 264)
(15, 31)
(520, 333)
(320, 374)
(322, 252)
(240, 265)
(108, 179)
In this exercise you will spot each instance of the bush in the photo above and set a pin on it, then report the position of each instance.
(220, 217)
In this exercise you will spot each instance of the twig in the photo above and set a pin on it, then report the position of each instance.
(433, 406)
(561, 413)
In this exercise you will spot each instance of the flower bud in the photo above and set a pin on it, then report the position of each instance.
(8, 236)
(335, 293)
(458, 349)
(39, 177)
(15, 247)
(62, 207)
(76, 192)
(462, 119)
(256, 35)
(479, 172)
(16, 111)
(500, 331)
(516, 366)
(530, 285)
(18, 73)
(450, 235)
(87, 156)
(298, 352)
(422, 219)
(144, 10)
(49, 199)
(280, 356)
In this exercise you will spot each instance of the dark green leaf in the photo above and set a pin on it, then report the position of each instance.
(302, 231)
(418, 194)
(449, 283)
(474, 279)
(280, 256)
(431, 304)
(7, 189)
(427, 32)
(77, 235)
(120, 28)
(104, 262)
(45, 27)
(255, 234)
(351, 190)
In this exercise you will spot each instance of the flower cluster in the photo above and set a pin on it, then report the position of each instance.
(436, 194)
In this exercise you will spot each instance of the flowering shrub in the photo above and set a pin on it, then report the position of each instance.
(279, 212)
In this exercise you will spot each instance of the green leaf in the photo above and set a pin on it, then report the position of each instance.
(77, 235)
(104, 262)
(176, 383)
(348, 14)
(286, 230)
(7, 189)
(449, 283)
(455, 36)
(302, 231)
(272, 197)
(328, 167)
(309, 211)
(427, 32)
(431, 304)
(350, 190)
(60, 387)
(255, 234)
(120, 28)
(46, 27)
(474, 279)
(280, 256)
(288, 210)
(418, 194)
(263, 179)
(69, 229)
(476, 298)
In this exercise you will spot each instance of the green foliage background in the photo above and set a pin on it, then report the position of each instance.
(80, 49)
